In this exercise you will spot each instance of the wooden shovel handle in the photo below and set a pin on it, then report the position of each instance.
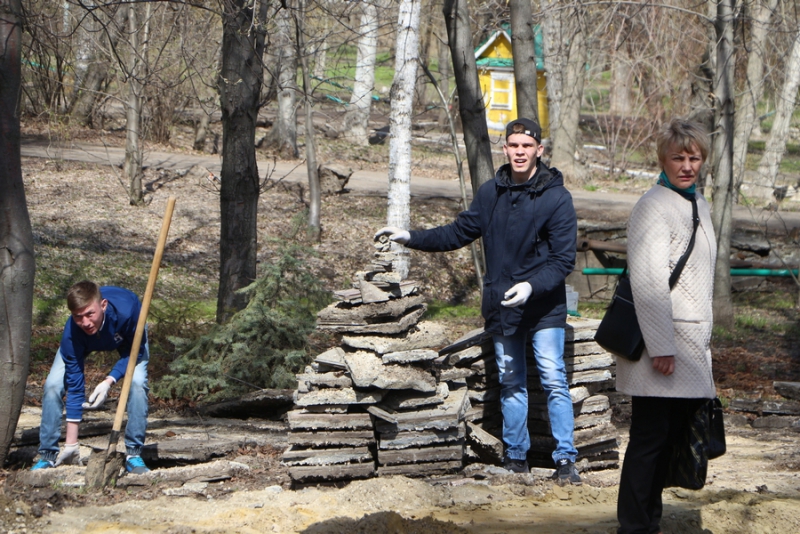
(137, 337)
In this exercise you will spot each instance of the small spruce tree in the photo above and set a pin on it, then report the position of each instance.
(263, 345)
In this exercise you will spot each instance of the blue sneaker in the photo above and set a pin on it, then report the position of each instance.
(43, 464)
(135, 466)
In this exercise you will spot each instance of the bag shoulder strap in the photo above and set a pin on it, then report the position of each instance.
(676, 273)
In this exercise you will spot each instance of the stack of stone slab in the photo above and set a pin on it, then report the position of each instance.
(590, 373)
(374, 405)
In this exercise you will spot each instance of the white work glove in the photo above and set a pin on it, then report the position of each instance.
(98, 397)
(398, 235)
(517, 295)
(69, 455)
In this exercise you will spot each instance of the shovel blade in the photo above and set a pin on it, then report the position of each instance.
(103, 469)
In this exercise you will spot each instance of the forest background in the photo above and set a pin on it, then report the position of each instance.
(333, 81)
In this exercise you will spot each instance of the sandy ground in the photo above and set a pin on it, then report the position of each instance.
(754, 488)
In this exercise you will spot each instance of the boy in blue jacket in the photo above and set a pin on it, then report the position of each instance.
(102, 318)
(529, 229)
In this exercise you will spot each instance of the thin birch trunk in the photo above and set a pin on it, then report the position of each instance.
(402, 98)
(776, 142)
(746, 106)
(356, 119)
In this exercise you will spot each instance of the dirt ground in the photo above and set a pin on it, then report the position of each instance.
(754, 488)
(84, 227)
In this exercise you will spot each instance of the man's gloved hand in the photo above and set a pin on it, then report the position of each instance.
(518, 295)
(98, 397)
(398, 235)
(69, 455)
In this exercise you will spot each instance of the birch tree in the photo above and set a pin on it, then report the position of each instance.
(753, 91)
(133, 149)
(402, 98)
(356, 119)
(17, 264)
(471, 105)
(525, 75)
(776, 143)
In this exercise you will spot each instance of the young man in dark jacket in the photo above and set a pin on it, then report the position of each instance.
(101, 318)
(529, 229)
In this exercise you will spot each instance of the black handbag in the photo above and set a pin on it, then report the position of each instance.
(704, 440)
(619, 331)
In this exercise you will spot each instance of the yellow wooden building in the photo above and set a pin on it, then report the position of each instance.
(496, 75)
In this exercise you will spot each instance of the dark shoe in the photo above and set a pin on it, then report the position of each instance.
(566, 473)
(135, 466)
(42, 464)
(516, 466)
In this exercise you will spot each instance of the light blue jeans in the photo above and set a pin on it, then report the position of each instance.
(548, 349)
(53, 408)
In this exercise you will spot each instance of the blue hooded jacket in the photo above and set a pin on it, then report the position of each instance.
(117, 332)
(529, 235)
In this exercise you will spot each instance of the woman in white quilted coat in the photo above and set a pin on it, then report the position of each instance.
(673, 375)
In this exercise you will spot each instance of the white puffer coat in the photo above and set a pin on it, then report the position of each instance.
(678, 322)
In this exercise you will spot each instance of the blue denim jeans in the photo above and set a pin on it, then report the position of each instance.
(53, 408)
(548, 349)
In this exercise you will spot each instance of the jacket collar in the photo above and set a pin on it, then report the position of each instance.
(542, 179)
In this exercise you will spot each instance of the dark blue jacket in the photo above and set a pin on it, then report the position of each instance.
(529, 234)
(117, 332)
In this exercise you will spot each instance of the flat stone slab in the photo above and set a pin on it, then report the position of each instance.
(341, 313)
(332, 438)
(332, 472)
(424, 335)
(209, 472)
(255, 404)
(334, 379)
(401, 440)
(790, 390)
(404, 400)
(368, 370)
(410, 356)
(190, 488)
(468, 355)
(332, 357)
(297, 456)
(338, 396)
(486, 446)
(395, 327)
(421, 469)
(67, 475)
(449, 414)
(421, 454)
(299, 420)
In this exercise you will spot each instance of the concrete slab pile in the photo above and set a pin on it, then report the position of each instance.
(590, 373)
(373, 405)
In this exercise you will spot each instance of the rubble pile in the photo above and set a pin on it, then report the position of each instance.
(772, 413)
(590, 373)
(389, 400)
(373, 405)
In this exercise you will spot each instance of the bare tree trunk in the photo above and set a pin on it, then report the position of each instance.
(471, 105)
(17, 264)
(565, 136)
(723, 162)
(240, 91)
(311, 146)
(133, 150)
(402, 98)
(525, 75)
(747, 104)
(444, 84)
(356, 119)
(86, 96)
(776, 143)
(284, 131)
(555, 56)
(622, 77)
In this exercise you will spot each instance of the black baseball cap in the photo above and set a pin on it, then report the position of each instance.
(529, 128)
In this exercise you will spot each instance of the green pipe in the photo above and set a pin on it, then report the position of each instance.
(734, 272)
